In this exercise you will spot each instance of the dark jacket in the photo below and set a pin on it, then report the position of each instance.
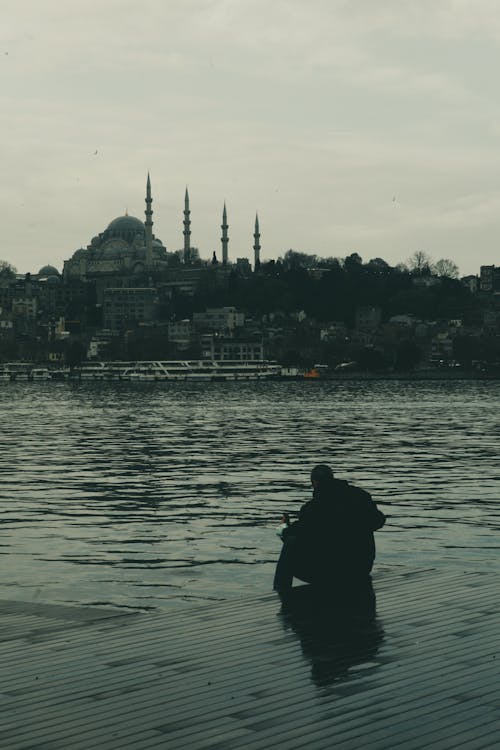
(334, 534)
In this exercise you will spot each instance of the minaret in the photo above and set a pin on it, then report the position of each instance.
(224, 239)
(149, 226)
(187, 230)
(256, 244)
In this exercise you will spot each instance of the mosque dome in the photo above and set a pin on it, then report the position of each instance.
(126, 224)
(48, 271)
(125, 228)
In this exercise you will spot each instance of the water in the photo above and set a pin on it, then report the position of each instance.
(164, 495)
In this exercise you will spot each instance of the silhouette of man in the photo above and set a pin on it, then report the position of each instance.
(332, 543)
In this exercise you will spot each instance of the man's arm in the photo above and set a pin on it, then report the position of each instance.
(297, 527)
(374, 517)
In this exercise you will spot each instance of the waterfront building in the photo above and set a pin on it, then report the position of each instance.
(181, 333)
(55, 355)
(489, 279)
(219, 348)
(100, 343)
(24, 307)
(6, 324)
(53, 296)
(334, 331)
(441, 348)
(129, 306)
(219, 319)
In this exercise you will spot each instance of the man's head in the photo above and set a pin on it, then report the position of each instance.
(321, 475)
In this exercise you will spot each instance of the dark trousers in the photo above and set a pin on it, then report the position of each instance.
(288, 566)
(292, 565)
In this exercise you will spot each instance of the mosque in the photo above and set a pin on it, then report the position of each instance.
(128, 247)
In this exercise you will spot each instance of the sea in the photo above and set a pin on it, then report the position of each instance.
(149, 496)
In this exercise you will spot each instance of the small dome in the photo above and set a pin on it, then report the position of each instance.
(48, 271)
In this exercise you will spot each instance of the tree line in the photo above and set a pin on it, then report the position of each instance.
(331, 289)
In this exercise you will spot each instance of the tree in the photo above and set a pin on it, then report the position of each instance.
(353, 262)
(446, 267)
(294, 260)
(332, 264)
(7, 270)
(420, 263)
(378, 265)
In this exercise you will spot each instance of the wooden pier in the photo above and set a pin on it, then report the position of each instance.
(258, 674)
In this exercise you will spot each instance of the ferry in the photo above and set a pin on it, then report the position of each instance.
(201, 370)
(193, 370)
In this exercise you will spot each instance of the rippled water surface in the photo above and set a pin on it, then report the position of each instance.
(161, 495)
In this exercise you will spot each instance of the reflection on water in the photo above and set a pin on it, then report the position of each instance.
(154, 495)
(338, 632)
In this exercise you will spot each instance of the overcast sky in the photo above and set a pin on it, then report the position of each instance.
(350, 126)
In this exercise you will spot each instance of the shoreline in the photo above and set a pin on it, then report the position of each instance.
(334, 377)
(223, 371)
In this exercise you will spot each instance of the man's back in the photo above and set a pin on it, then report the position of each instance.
(334, 533)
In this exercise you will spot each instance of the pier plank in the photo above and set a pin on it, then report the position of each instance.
(257, 674)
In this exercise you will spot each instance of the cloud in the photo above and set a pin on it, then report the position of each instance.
(475, 210)
(315, 113)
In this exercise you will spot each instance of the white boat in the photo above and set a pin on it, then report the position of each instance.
(40, 373)
(92, 371)
(17, 370)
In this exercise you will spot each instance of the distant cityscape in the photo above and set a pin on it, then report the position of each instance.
(125, 297)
